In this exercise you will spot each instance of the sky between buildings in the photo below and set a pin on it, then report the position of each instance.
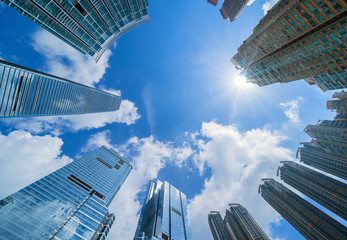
(187, 117)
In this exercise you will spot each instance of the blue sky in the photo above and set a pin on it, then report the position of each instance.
(187, 116)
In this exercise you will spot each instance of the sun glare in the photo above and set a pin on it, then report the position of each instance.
(240, 82)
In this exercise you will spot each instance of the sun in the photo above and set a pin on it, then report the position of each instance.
(240, 82)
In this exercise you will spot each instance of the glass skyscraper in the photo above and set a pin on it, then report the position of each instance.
(164, 214)
(241, 225)
(70, 203)
(324, 190)
(340, 105)
(298, 39)
(217, 226)
(25, 92)
(330, 163)
(90, 26)
(310, 221)
(232, 8)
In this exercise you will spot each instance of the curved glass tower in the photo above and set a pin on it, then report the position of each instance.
(70, 203)
(90, 26)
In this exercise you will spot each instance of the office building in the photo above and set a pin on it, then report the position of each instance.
(339, 106)
(217, 226)
(327, 162)
(163, 214)
(326, 191)
(70, 203)
(310, 221)
(25, 92)
(298, 40)
(89, 26)
(232, 8)
(213, 2)
(241, 224)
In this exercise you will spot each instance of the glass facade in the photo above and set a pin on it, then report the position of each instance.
(326, 191)
(90, 26)
(217, 226)
(300, 39)
(241, 225)
(70, 203)
(310, 221)
(25, 92)
(330, 163)
(164, 214)
(232, 8)
(339, 106)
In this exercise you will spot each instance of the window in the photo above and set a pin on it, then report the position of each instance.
(164, 236)
(121, 162)
(79, 8)
(79, 182)
(103, 162)
(117, 167)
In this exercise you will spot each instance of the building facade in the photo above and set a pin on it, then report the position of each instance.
(164, 214)
(217, 226)
(326, 191)
(310, 221)
(70, 203)
(340, 105)
(89, 26)
(327, 162)
(299, 39)
(25, 92)
(213, 2)
(241, 225)
(231, 9)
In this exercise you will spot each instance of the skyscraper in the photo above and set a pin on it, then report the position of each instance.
(241, 224)
(310, 221)
(217, 226)
(90, 26)
(213, 2)
(340, 105)
(298, 40)
(70, 203)
(232, 8)
(316, 157)
(324, 190)
(26, 92)
(164, 214)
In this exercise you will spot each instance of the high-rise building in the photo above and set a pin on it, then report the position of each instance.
(232, 8)
(70, 203)
(310, 221)
(164, 214)
(217, 226)
(339, 106)
(326, 191)
(299, 39)
(241, 225)
(213, 2)
(316, 157)
(331, 136)
(90, 26)
(26, 92)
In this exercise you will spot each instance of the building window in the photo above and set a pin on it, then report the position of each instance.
(117, 167)
(164, 236)
(103, 162)
(79, 8)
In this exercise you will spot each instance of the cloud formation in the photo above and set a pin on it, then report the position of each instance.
(28, 158)
(268, 5)
(292, 110)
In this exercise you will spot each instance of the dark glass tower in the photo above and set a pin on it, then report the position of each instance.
(164, 214)
(298, 39)
(25, 92)
(232, 8)
(70, 203)
(326, 191)
(311, 222)
(241, 225)
(330, 163)
(90, 26)
(217, 226)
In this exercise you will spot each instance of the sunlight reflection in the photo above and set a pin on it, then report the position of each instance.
(240, 82)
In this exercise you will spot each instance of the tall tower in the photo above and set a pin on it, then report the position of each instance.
(298, 40)
(241, 224)
(310, 221)
(70, 203)
(217, 226)
(164, 214)
(316, 157)
(90, 26)
(326, 191)
(25, 92)
(340, 105)
(232, 8)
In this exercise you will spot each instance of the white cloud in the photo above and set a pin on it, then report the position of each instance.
(238, 162)
(250, 2)
(292, 110)
(28, 158)
(268, 5)
(148, 156)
